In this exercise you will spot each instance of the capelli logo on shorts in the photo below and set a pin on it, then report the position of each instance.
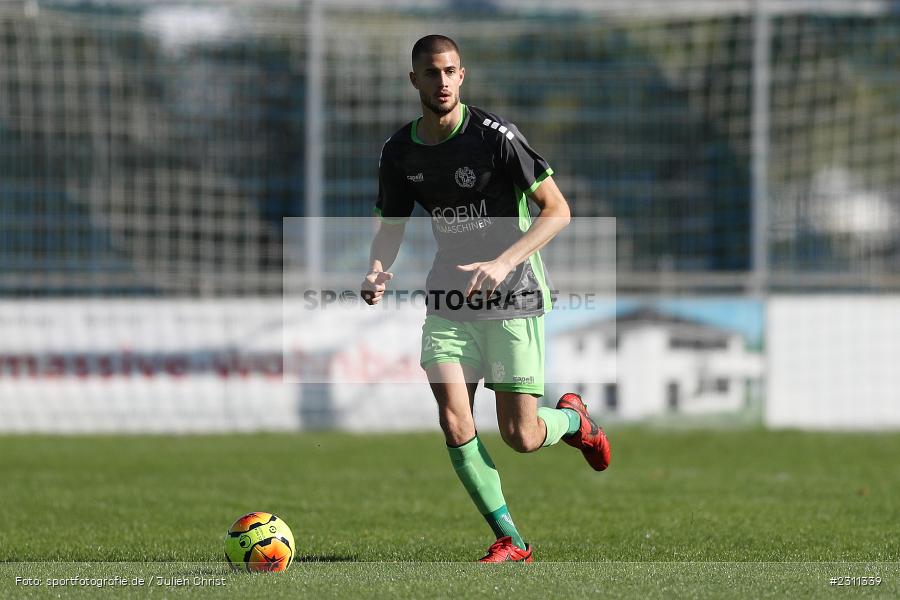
(518, 379)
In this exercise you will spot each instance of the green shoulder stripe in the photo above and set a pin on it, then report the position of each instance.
(537, 182)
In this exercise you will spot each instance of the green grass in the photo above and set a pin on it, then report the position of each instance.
(742, 513)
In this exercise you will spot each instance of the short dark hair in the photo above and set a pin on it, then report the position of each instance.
(433, 44)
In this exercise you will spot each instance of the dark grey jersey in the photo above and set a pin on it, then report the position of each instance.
(474, 186)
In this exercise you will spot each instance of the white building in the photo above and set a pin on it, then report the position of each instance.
(646, 363)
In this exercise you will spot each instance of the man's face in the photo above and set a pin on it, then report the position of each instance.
(438, 77)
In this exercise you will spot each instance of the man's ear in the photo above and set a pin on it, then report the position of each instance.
(412, 79)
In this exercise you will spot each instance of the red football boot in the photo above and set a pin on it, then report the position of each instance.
(504, 550)
(590, 438)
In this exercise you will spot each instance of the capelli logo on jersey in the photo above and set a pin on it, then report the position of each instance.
(465, 177)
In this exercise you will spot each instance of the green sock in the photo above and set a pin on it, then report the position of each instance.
(476, 470)
(502, 525)
(559, 421)
(574, 420)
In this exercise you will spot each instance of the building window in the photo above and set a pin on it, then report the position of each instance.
(681, 343)
(611, 396)
(612, 343)
(672, 395)
(722, 385)
(579, 345)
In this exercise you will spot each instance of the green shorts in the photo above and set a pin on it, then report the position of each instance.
(508, 353)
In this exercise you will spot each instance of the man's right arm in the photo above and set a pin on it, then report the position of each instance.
(385, 247)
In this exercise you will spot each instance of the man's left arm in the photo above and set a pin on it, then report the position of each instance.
(554, 217)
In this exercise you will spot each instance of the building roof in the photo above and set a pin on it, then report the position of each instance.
(649, 316)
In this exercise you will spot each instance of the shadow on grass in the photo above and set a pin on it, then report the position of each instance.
(314, 558)
(217, 570)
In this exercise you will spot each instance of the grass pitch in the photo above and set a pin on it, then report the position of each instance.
(680, 513)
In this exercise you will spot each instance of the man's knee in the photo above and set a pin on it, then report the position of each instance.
(457, 429)
(520, 439)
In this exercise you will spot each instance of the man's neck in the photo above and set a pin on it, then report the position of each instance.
(434, 129)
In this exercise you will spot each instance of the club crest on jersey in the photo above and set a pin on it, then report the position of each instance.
(465, 177)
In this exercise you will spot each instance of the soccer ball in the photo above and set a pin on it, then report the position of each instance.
(259, 542)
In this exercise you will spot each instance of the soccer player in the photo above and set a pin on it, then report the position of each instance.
(472, 172)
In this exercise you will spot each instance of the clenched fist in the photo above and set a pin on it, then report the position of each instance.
(372, 288)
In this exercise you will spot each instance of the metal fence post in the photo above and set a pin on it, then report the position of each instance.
(314, 152)
(760, 149)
